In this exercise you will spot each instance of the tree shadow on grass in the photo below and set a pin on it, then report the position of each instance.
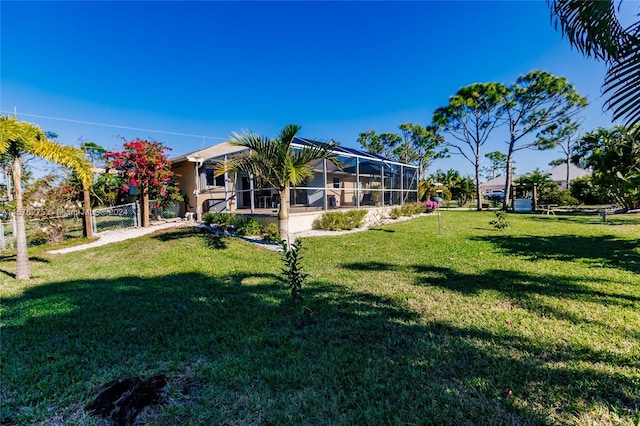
(7, 264)
(590, 218)
(367, 360)
(605, 250)
(212, 241)
(522, 289)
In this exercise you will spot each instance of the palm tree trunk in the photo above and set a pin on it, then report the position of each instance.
(7, 179)
(87, 230)
(23, 270)
(283, 216)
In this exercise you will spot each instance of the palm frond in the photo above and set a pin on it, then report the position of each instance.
(592, 27)
(289, 132)
(623, 83)
(66, 156)
(274, 162)
(9, 131)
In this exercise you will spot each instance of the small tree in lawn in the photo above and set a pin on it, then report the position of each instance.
(144, 164)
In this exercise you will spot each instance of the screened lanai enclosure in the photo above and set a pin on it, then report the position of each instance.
(360, 180)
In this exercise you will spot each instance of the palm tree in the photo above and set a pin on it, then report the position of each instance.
(18, 138)
(593, 27)
(275, 164)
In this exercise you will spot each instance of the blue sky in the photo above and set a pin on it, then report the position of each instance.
(212, 68)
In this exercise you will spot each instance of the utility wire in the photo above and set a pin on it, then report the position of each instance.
(116, 126)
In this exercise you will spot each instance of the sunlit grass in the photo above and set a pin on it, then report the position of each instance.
(534, 324)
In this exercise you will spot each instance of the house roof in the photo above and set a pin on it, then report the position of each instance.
(559, 173)
(224, 148)
(342, 149)
(500, 180)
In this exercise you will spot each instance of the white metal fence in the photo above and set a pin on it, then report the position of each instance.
(102, 219)
(116, 217)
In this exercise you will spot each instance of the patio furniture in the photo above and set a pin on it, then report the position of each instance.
(264, 201)
(275, 201)
(548, 209)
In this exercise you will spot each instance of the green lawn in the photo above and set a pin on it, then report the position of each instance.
(535, 324)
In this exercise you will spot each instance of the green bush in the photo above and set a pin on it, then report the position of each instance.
(337, 221)
(411, 209)
(248, 226)
(331, 221)
(558, 196)
(395, 213)
(168, 214)
(220, 219)
(271, 232)
(36, 237)
(586, 192)
(208, 218)
(500, 221)
(355, 218)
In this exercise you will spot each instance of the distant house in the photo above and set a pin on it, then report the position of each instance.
(557, 174)
(364, 180)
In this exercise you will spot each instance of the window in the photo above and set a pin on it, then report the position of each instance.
(212, 179)
(336, 182)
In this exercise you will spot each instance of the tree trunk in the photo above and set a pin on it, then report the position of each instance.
(507, 183)
(7, 179)
(479, 198)
(568, 171)
(87, 229)
(23, 270)
(509, 171)
(568, 158)
(283, 216)
(144, 207)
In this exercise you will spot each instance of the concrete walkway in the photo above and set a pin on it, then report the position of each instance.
(116, 235)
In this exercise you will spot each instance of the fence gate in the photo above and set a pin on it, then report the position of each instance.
(123, 216)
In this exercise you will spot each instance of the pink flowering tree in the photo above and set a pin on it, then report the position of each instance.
(144, 165)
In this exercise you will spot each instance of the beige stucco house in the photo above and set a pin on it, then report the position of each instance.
(362, 180)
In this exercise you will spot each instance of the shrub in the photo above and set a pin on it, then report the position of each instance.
(355, 218)
(292, 276)
(395, 213)
(337, 221)
(586, 192)
(208, 218)
(226, 219)
(271, 233)
(500, 221)
(558, 196)
(411, 209)
(220, 219)
(37, 237)
(168, 214)
(331, 221)
(248, 226)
